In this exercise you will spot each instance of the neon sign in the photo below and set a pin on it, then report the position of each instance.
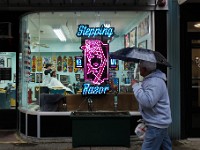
(85, 30)
(95, 61)
(94, 90)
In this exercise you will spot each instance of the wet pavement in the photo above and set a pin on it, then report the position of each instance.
(186, 145)
(13, 141)
(135, 145)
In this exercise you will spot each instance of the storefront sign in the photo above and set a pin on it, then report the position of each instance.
(95, 61)
(94, 90)
(85, 30)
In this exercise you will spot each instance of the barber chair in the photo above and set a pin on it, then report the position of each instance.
(40, 89)
(51, 102)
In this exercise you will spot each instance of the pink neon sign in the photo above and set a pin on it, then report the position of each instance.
(95, 61)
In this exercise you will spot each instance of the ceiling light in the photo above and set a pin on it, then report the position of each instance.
(107, 24)
(77, 14)
(60, 34)
(197, 25)
(98, 14)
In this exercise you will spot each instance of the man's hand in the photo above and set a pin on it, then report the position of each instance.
(133, 82)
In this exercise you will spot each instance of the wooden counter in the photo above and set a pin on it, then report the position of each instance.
(126, 102)
(100, 102)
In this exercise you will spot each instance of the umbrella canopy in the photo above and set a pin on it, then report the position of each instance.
(135, 54)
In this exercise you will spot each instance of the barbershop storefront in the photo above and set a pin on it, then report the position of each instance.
(82, 63)
(77, 44)
(79, 54)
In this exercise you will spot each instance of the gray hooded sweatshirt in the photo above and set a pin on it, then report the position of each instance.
(152, 96)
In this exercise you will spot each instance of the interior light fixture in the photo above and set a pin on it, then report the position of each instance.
(59, 33)
(98, 14)
(107, 24)
(197, 25)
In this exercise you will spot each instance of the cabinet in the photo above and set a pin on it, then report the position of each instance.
(40, 89)
(7, 98)
(100, 129)
(4, 102)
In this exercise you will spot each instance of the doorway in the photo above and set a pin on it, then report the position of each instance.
(193, 96)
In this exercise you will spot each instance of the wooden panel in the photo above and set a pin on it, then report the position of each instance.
(76, 102)
(127, 102)
(100, 102)
(104, 102)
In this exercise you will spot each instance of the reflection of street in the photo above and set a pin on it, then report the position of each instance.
(195, 78)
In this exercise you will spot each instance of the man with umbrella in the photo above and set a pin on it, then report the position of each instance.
(152, 96)
(154, 106)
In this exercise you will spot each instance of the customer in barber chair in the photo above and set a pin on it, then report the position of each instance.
(54, 82)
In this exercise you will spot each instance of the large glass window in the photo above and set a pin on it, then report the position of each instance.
(7, 80)
(52, 38)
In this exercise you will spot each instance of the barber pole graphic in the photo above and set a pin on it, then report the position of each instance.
(27, 57)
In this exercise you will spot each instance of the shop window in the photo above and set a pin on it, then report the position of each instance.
(8, 80)
(56, 38)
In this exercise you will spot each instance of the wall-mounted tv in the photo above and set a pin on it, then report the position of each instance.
(113, 63)
(79, 63)
(5, 30)
(5, 73)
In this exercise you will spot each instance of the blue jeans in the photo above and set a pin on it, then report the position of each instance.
(156, 139)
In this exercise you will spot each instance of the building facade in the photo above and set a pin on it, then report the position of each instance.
(169, 35)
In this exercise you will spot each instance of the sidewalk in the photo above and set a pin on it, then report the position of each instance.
(135, 145)
(13, 141)
(178, 145)
(187, 144)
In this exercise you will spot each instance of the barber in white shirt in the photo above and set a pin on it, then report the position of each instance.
(47, 71)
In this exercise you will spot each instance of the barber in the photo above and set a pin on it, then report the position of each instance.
(47, 72)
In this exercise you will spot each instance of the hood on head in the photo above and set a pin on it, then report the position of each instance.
(158, 74)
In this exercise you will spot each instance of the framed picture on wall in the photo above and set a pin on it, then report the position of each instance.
(126, 40)
(129, 65)
(32, 77)
(77, 76)
(133, 37)
(63, 79)
(38, 77)
(143, 27)
(126, 65)
(143, 44)
(114, 83)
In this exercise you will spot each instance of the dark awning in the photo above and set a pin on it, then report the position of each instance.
(45, 5)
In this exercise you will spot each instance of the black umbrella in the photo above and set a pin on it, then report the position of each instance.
(135, 54)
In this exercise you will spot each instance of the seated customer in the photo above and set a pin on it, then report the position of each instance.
(54, 82)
